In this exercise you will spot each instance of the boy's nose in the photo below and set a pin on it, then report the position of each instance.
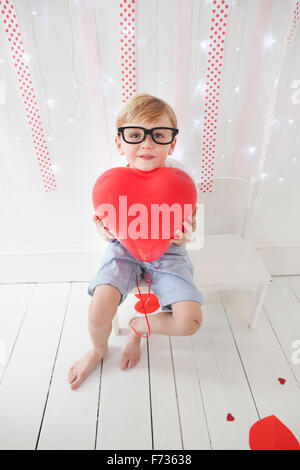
(148, 142)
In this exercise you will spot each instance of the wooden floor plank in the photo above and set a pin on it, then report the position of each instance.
(264, 360)
(192, 415)
(14, 300)
(25, 385)
(71, 415)
(283, 310)
(166, 422)
(222, 379)
(124, 413)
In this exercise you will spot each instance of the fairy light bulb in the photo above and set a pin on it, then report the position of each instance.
(50, 102)
(204, 45)
(251, 150)
(269, 41)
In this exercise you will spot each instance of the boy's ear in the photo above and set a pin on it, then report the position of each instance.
(119, 145)
(172, 146)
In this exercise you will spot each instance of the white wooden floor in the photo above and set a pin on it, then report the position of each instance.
(177, 397)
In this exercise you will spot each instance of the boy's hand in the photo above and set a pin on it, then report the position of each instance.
(103, 232)
(189, 228)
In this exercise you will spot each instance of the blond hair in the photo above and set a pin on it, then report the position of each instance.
(145, 107)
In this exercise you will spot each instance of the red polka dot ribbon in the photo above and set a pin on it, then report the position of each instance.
(127, 30)
(218, 30)
(11, 27)
(295, 20)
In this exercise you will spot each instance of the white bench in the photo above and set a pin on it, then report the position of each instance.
(227, 259)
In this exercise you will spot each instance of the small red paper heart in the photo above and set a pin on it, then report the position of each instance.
(282, 381)
(230, 417)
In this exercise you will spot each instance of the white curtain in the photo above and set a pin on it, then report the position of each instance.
(73, 50)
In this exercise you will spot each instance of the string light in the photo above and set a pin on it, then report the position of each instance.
(269, 41)
(204, 44)
(50, 102)
(56, 168)
(201, 87)
(251, 150)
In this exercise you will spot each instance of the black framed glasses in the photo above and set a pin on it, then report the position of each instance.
(137, 134)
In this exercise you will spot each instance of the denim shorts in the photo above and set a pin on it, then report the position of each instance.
(171, 276)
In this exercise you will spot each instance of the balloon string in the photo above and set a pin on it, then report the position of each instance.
(146, 278)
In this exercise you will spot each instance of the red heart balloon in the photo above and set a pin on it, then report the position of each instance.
(128, 201)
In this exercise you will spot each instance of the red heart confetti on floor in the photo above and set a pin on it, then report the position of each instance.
(282, 381)
(271, 434)
(230, 417)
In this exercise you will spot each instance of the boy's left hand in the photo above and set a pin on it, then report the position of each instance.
(189, 228)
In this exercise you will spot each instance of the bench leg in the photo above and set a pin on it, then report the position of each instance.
(259, 305)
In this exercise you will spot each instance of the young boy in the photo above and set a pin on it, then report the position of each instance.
(171, 275)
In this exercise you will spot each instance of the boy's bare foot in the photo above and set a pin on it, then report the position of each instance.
(81, 369)
(132, 351)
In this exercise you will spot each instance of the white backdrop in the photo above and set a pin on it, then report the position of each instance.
(72, 48)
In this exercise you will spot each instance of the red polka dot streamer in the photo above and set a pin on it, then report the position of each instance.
(11, 27)
(218, 28)
(127, 31)
(295, 20)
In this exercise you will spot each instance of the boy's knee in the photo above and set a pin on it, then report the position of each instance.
(103, 306)
(190, 324)
(100, 317)
(190, 327)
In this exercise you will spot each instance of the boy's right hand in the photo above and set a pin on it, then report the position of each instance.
(103, 232)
